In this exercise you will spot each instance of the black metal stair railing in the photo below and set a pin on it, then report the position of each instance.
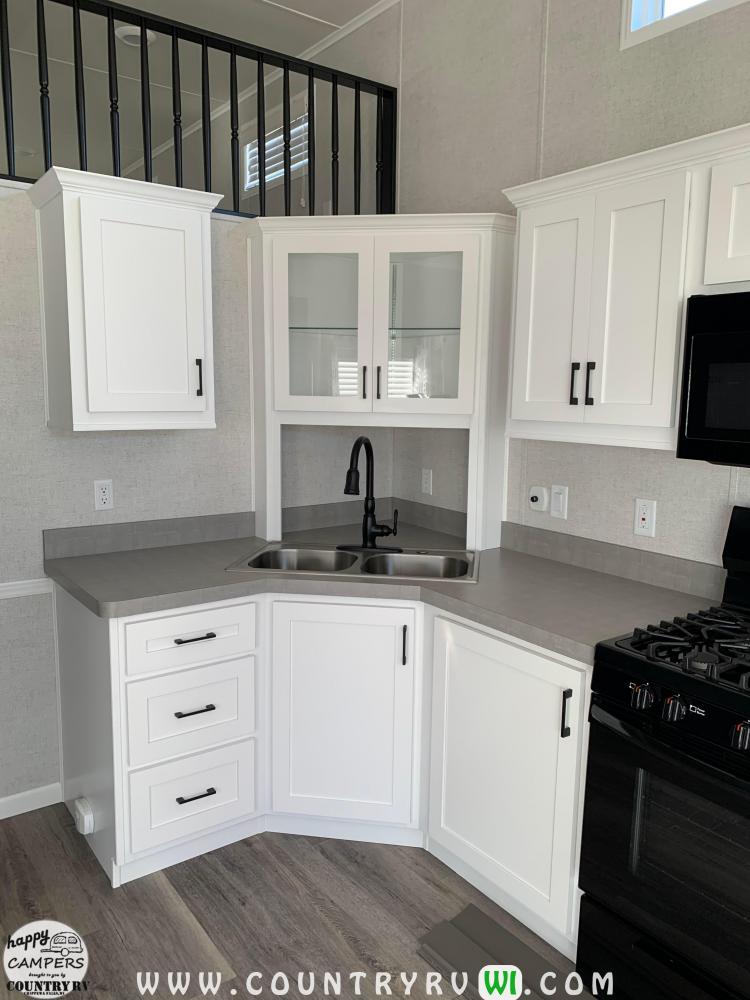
(382, 157)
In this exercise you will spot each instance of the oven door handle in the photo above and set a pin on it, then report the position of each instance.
(668, 753)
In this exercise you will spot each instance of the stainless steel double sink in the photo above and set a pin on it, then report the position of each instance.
(412, 564)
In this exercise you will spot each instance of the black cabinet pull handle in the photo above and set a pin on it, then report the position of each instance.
(377, 380)
(364, 381)
(196, 711)
(574, 369)
(564, 727)
(181, 800)
(197, 638)
(199, 362)
(395, 522)
(403, 647)
(590, 366)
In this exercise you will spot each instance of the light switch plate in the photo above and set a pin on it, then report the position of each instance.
(427, 481)
(645, 518)
(559, 502)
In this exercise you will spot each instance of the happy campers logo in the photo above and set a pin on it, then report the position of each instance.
(45, 959)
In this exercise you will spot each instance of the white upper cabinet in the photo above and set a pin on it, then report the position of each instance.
(378, 315)
(636, 302)
(598, 304)
(425, 321)
(322, 307)
(728, 242)
(552, 309)
(126, 288)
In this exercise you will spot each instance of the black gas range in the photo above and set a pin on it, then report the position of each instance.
(665, 858)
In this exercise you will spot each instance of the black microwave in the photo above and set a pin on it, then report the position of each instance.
(715, 407)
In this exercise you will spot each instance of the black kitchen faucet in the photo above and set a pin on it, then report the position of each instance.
(371, 530)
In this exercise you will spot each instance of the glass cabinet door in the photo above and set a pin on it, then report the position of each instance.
(323, 324)
(425, 322)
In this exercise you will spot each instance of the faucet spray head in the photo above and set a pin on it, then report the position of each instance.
(352, 482)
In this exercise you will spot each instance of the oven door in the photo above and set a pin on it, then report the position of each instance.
(666, 848)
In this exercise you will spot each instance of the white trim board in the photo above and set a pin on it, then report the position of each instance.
(34, 798)
(25, 588)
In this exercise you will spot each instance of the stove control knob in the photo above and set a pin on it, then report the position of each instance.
(741, 736)
(641, 697)
(673, 709)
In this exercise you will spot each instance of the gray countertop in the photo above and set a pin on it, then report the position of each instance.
(562, 608)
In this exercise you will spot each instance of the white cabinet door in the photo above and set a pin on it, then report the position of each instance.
(504, 778)
(146, 307)
(636, 301)
(425, 326)
(552, 310)
(322, 321)
(343, 706)
(728, 242)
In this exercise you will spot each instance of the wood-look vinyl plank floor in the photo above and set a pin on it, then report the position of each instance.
(272, 903)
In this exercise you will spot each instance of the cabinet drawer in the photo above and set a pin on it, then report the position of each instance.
(186, 797)
(190, 710)
(192, 637)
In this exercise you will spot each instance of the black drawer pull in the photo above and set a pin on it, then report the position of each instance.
(181, 800)
(590, 366)
(574, 369)
(364, 381)
(199, 362)
(196, 711)
(197, 638)
(564, 727)
(403, 647)
(377, 381)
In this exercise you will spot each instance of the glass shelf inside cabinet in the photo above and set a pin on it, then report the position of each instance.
(334, 331)
(395, 332)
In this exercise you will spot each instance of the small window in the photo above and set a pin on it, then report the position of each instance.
(644, 19)
(275, 154)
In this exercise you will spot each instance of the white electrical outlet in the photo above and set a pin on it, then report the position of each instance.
(645, 518)
(427, 481)
(104, 496)
(539, 498)
(559, 502)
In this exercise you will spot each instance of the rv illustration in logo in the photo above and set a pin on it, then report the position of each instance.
(65, 943)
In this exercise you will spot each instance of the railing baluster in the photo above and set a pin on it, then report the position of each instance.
(379, 154)
(79, 86)
(357, 148)
(114, 96)
(311, 142)
(146, 105)
(261, 136)
(206, 116)
(388, 198)
(235, 129)
(10, 146)
(334, 145)
(41, 48)
(287, 118)
(176, 108)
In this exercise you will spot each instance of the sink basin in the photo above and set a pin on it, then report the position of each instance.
(416, 564)
(304, 560)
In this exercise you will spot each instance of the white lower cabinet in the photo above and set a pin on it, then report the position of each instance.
(343, 711)
(506, 768)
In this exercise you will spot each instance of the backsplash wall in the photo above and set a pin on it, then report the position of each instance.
(694, 499)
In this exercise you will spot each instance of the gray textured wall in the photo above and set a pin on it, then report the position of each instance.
(47, 478)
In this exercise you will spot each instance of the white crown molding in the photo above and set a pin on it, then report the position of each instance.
(34, 798)
(687, 154)
(25, 588)
(496, 222)
(63, 179)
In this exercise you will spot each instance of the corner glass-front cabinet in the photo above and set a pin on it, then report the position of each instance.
(372, 323)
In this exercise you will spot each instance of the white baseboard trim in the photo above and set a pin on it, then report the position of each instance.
(25, 588)
(34, 798)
